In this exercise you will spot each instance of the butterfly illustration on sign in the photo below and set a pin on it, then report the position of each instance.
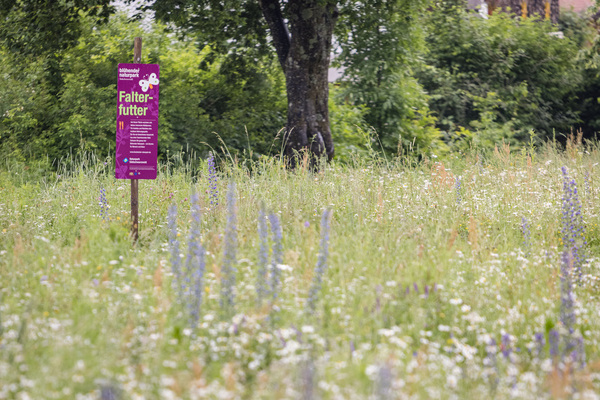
(147, 83)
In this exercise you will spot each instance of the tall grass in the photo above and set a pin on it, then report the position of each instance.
(80, 304)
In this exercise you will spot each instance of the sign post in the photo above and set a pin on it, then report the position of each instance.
(137, 125)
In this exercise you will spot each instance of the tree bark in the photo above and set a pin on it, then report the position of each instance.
(537, 8)
(279, 31)
(305, 56)
(513, 5)
(554, 11)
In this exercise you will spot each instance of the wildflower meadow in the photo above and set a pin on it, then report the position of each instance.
(467, 277)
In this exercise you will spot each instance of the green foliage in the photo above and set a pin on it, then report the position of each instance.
(36, 27)
(420, 78)
(378, 41)
(348, 126)
(230, 26)
(246, 105)
(501, 76)
(584, 32)
(203, 96)
(24, 104)
(576, 27)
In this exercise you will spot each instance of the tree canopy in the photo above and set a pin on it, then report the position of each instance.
(369, 38)
(419, 79)
(45, 26)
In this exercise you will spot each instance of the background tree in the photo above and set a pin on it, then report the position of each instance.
(499, 79)
(46, 27)
(301, 32)
(34, 36)
(415, 78)
(381, 44)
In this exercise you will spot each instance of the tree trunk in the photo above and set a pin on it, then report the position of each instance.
(311, 28)
(513, 5)
(554, 11)
(537, 8)
(304, 54)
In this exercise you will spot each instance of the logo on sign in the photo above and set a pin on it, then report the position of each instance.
(152, 80)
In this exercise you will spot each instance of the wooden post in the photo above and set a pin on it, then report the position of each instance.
(137, 59)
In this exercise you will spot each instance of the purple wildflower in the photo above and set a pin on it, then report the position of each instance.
(580, 353)
(526, 231)
(321, 262)
(277, 235)
(506, 350)
(541, 342)
(212, 181)
(103, 205)
(308, 380)
(553, 339)
(109, 391)
(174, 245)
(491, 362)
(573, 232)
(229, 255)
(263, 256)
(567, 304)
(195, 266)
(383, 384)
(458, 190)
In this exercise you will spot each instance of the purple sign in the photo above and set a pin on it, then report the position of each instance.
(137, 121)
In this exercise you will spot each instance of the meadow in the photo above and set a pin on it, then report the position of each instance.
(473, 277)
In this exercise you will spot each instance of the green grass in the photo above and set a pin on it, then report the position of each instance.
(80, 305)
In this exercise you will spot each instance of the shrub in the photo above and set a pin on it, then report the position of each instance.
(501, 76)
